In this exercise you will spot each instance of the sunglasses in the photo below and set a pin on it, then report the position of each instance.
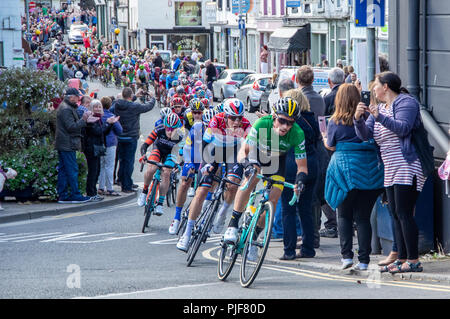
(170, 129)
(284, 121)
(177, 106)
(235, 118)
(197, 113)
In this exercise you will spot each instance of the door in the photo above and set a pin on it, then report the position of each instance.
(241, 94)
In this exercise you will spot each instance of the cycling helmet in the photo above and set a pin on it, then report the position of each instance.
(219, 108)
(184, 82)
(174, 83)
(196, 105)
(157, 69)
(180, 89)
(141, 67)
(208, 114)
(164, 71)
(78, 75)
(198, 83)
(177, 101)
(287, 106)
(233, 107)
(189, 97)
(172, 120)
(205, 102)
(165, 111)
(195, 77)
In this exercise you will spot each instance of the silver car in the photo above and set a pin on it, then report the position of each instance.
(225, 86)
(251, 89)
(75, 35)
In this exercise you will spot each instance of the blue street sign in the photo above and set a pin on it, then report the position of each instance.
(293, 3)
(245, 6)
(241, 23)
(369, 13)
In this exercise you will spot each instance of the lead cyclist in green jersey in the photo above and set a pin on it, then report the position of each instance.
(264, 151)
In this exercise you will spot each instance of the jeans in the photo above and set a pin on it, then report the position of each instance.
(304, 210)
(67, 175)
(107, 169)
(402, 200)
(126, 149)
(357, 207)
(277, 228)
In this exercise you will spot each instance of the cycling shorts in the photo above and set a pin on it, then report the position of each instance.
(187, 167)
(166, 159)
(276, 170)
(235, 170)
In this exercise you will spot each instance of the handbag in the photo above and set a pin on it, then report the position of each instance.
(424, 150)
(99, 150)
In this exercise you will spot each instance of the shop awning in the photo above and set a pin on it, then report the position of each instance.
(291, 39)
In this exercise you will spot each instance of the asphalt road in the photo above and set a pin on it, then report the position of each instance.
(102, 254)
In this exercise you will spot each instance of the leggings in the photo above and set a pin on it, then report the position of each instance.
(402, 200)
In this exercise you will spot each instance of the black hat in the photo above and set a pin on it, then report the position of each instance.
(73, 91)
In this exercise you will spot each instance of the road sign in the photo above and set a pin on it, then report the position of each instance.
(369, 13)
(245, 6)
(293, 4)
(241, 23)
(32, 5)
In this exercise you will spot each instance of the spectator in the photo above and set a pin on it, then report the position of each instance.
(303, 208)
(305, 79)
(194, 55)
(354, 178)
(107, 162)
(68, 72)
(211, 73)
(176, 62)
(129, 113)
(67, 142)
(263, 57)
(390, 124)
(84, 105)
(348, 77)
(325, 64)
(158, 61)
(335, 79)
(94, 146)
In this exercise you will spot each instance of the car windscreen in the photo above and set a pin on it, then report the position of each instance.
(238, 76)
(264, 81)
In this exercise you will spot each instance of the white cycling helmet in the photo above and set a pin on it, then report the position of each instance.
(79, 75)
(208, 114)
(233, 107)
(165, 111)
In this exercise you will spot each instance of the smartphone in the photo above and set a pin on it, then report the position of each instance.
(365, 97)
(322, 123)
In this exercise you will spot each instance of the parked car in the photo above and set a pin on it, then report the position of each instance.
(225, 86)
(75, 31)
(320, 84)
(166, 55)
(220, 67)
(251, 89)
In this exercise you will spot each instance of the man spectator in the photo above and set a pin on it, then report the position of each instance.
(84, 105)
(129, 113)
(284, 86)
(68, 72)
(67, 143)
(211, 74)
(305, 79)
(335, 78)
(158, 61)
(194, 55)
(176, 62)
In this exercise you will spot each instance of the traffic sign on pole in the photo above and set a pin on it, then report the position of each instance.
(369, 13)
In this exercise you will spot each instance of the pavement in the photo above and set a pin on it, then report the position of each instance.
(327, 259)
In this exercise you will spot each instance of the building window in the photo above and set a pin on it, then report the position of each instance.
(307, 8)
(158, 41)
(188, 13)
(320, 4)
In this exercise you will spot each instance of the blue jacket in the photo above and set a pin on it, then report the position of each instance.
(353, 166)
(111, 138)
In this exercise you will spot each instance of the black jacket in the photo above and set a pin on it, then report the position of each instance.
(315, 101)
(95, 134)
(68, 128)
(211, 73)
(329, 100)
(129, 113)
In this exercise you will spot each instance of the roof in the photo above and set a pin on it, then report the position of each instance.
(291, 39)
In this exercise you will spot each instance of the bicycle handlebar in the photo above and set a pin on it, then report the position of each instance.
(145, 160)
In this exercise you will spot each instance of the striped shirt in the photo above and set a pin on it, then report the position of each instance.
(396, 168)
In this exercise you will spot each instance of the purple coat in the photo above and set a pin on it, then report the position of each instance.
(111, 138)
(406, 112)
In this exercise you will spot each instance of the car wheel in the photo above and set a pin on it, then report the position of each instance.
(249, 106)
(222, 97)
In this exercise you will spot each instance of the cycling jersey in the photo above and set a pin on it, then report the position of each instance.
(161, 142)
(169, 81)
(192, 150)
(116, 63)
(221, 136)
(142, 75)
(270, 144)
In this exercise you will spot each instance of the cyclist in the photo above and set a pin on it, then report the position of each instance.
(264, 150)
(164, 139)
(192, 153)
(223, 137)
(155, 77)
(142, 77)
(116, 63)
(186, 87)
(170, 78)
(163, 113)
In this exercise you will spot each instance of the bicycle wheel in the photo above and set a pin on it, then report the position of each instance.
(227, 259)
(200, 233)
(149, 205)
(183, 223)
(251, 264)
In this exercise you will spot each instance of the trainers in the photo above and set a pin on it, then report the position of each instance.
(141, 199)
(96, 198)
(230, 235)
(220, 222)
(329, 233)
(80, 199)
(174, 227)
(191, 192)
(361, 266)
(252, 254)
(346, 263)
(159, 210)
(183, 243)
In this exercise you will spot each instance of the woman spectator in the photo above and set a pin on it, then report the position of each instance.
(94, 146)
(107, 162)
(354, 177)
(390, 124)
(310, 127)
